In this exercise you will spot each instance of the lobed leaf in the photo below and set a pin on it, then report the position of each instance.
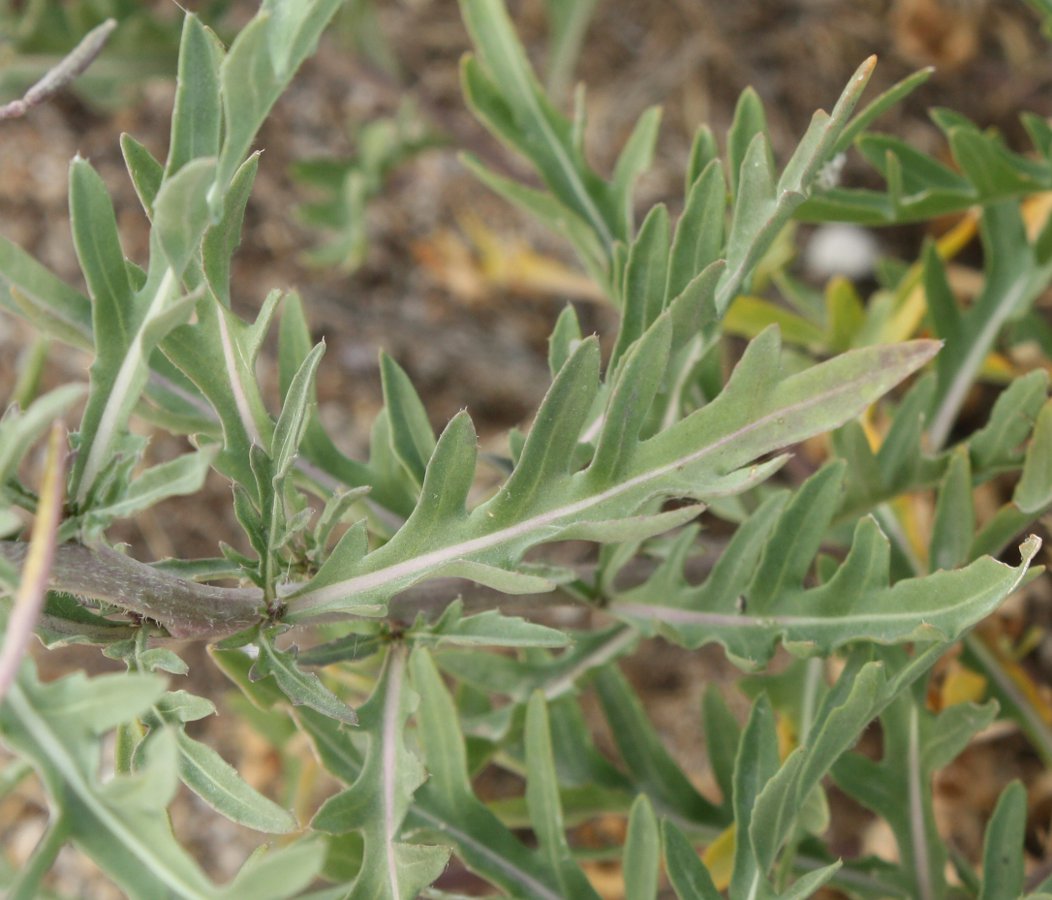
(916, 744)
(127, 323)
(543, 500)
(502, 90)
(858, 604)
(446, 806)
(377, 801)
(218, 354)
(487, 628)
(301, 688)
(1014, 278)
(121, 824)
(256, 70)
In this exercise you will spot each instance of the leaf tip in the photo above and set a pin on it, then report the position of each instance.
(918, 352)
(1028, 549)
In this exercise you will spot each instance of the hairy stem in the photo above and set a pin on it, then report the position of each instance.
(205, 612)
(185, 608)
(190, 610)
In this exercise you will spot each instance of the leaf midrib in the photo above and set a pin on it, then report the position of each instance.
(309, 600)
(57, 754)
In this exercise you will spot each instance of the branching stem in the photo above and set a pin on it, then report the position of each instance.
(195, 611)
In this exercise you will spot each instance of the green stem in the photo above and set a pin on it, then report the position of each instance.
(12, 776)
(28, 884)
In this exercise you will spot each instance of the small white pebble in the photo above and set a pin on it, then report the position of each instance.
(840, 249)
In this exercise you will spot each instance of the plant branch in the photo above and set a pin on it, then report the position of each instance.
(185, 608)
(205, 612)
(72, 65)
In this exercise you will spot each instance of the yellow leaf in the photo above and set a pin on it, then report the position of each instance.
(514, 264)
(915, 513)
(33, 584)
(480, 263)
(961, 685)
(719, 858)
(1036, 210)
(748, 316)
(910, 302)
(845, 313)
(999, 647)
(874, 437)
(787, 737)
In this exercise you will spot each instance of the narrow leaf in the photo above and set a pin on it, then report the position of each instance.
(1003, 846)
(490, 628)
(294, 416)
(1034, 490)
(145, 171)
(645, 755)
(216, 782)
(699, 232)
(642, 856)
(755, 766)
(954, 522)
(98, 248)
(180, 212)
(197, 115)
(686, 872)
(542, 800)
(412, 439)
(274, 873)
(301, 688)
(447, 806)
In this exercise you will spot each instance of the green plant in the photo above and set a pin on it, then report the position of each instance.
(401, 567)
(347, 185)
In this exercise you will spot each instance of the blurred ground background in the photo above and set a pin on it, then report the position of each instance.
(460, 288)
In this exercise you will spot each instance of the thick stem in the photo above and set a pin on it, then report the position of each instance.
(185, 608)
(195, 611)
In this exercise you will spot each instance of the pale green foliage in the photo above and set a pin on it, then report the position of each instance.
(346, 186)
(403, 569)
